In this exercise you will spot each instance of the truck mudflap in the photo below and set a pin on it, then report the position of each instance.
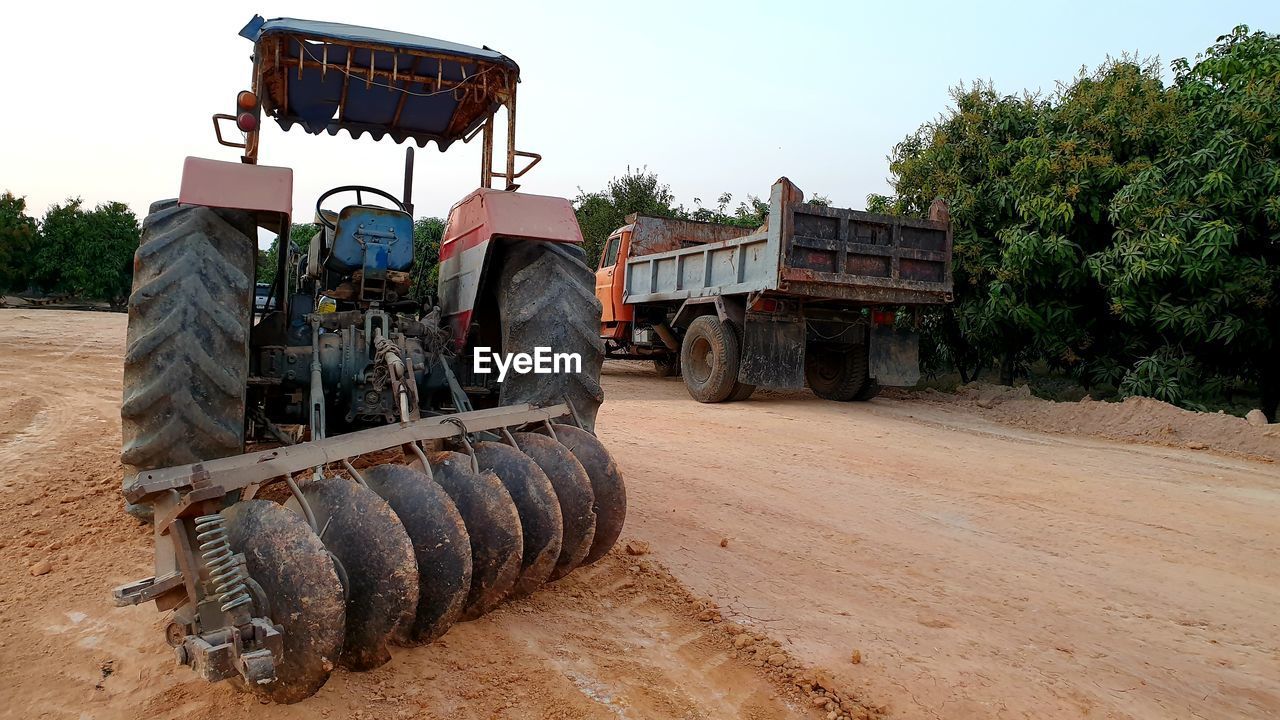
(773, 351)
(894, 356)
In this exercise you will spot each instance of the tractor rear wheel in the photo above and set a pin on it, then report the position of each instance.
(546, 298)
(186, 362)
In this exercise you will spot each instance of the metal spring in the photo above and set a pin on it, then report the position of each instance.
(225, 572)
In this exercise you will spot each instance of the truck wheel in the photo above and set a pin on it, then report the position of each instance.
(709, 356)
(741, 391)
(186, 362)
(667, 366)
(546, 298)
(836, 373)
(870, 389)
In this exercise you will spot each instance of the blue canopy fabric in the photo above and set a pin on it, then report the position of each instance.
(317, 75)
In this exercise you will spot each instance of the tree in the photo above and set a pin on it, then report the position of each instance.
(1194, 273)
(600, 213)
(87, 253)
(1120, 230)
(967, 157)
(428, 232)
(749, 213)
(103, 258)
(300, 235)
(19, 234)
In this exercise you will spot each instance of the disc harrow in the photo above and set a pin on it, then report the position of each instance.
(274, 595)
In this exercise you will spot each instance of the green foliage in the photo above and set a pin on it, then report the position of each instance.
(1119, 230)
(18, 236)
(1194, 272)
(600, 213)
(300, 235)
(87, 253)
(428, 232)
(749, 213)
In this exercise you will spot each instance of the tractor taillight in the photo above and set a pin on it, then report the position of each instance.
(246, 100)
(247, 122)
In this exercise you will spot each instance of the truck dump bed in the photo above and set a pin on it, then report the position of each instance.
(803, 250)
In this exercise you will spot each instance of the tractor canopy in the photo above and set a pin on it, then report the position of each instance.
(327, 76)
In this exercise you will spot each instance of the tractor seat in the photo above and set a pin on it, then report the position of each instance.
(362, 228)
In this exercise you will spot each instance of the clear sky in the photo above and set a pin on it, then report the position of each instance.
(103, 100)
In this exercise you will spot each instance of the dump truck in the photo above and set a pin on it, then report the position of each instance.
(817, 296)
(325, 472)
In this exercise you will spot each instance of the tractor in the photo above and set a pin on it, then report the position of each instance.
(325, 469)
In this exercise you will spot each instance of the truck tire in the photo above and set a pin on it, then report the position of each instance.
(741, 391)
(186, 362)
(836, 373)
(870, 389)
(546, 298)
(667, 366)
(709, 357)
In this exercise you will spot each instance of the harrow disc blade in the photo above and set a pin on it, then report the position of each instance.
(375, 553)
(539, 509)
(573, 490)
(297, 577)
(440, 544)
(606, 485)
(493, 524)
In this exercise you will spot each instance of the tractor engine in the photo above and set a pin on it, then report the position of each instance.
(356, 351)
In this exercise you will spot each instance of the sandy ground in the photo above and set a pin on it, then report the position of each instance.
(979, 569)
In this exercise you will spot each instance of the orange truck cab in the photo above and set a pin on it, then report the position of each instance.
(615, 315)
(814, 297)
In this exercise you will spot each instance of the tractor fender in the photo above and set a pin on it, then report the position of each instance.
(469, 253)
(263, 189)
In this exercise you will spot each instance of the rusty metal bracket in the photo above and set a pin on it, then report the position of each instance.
(239, 471)
(138, 592)
(535, 159)
(217, 130)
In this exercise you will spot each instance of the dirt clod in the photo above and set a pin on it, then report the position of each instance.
(637, 547)
(41, 568)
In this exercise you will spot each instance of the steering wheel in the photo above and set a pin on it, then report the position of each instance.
(359, 190)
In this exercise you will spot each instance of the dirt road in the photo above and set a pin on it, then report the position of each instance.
(977, 569)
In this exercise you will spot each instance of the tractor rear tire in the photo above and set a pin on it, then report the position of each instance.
(546, 298)
(186, 361)
(836, 373)
(709, 357)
